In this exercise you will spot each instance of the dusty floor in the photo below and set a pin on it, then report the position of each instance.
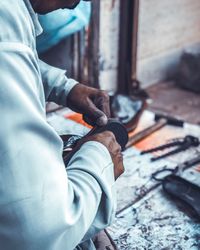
(147, 218)
(169, 99)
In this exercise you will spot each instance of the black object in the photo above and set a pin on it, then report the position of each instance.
(180, 144)
(170, 120)
(183, 190)
(188, 73)
(70, 142)
(127, 109)
(117, 128)
(179, 188)
(129, 17)
(158, 175)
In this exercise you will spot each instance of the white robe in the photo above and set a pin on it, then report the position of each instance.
(43, 206)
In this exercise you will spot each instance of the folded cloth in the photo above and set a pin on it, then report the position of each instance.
(127, 109)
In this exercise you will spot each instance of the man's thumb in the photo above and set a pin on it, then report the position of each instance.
(96, 116)
(102, 120)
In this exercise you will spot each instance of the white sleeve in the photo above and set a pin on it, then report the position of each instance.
(56, 84)
(43, 206)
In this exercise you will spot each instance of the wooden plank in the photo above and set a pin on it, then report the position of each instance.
(93, 47)
(128, 47)
(83, 60)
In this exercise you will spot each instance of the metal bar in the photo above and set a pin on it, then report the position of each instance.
(135, 44)
(93, 51)
(129, 16)
(82, 54)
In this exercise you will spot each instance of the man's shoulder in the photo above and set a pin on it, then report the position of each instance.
(15, 22)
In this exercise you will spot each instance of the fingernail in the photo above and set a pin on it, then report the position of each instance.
(101, 121)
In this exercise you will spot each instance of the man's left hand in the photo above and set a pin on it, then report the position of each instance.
(91, 102)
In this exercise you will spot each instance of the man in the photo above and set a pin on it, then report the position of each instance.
(61, 23)
(44, 206)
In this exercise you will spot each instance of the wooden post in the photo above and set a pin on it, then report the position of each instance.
(129, 14)
(93, 45)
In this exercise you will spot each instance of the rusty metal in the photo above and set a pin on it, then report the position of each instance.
(161, 121)
(129, 17)
(134, 81)
(146, 132)
(93, 46)
(180, 145)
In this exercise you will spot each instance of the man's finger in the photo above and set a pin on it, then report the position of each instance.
(102, 120)
(96, 116)
(103, 103)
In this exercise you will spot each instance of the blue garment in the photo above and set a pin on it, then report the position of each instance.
(61, 23)
(43, 206)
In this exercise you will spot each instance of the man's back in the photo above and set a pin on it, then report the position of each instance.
(42, 206)
(16, 24)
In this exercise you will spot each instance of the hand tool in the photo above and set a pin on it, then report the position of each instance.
(179, 169)
(70, 142)
(161, 121)
(180, 144)
(179, 188)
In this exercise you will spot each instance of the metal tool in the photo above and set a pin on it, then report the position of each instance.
(178, 170)
(161, 121)
(71, 142)
(180, 144)
(179, 188)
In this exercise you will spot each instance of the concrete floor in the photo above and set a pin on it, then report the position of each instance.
(169, 99)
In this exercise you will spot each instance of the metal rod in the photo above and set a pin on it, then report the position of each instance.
(135, 40)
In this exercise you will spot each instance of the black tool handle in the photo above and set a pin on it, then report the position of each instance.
(183, 190)
(169, 120)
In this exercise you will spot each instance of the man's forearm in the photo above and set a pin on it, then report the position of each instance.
(56, 84)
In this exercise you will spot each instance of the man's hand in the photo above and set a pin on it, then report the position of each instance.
(92, 103)
(107, 138)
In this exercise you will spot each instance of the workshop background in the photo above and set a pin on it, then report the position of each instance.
(145, 50)
(166, 30)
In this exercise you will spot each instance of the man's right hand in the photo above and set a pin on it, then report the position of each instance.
(107, 138)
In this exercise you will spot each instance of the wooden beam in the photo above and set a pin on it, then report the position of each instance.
(129, 13)
(93, 45)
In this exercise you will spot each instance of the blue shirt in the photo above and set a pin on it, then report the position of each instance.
(43, 206)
